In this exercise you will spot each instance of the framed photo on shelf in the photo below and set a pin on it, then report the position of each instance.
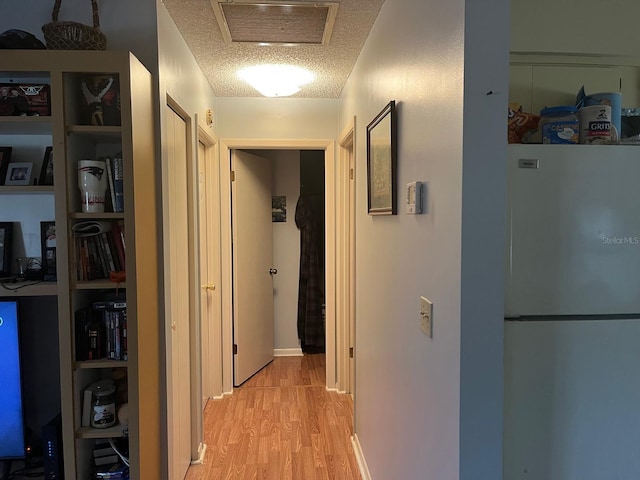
(19, 173)
(6, 239)
(24, 99)
(382, 162)
(48, 241)
(5, 157)
(46, 171)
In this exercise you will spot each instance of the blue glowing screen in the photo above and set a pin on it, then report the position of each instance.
(11, 418)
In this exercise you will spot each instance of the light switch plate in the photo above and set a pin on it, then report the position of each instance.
(426, 316)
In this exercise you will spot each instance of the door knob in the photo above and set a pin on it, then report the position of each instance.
(273, 271)
(209, 286)
(173, 326)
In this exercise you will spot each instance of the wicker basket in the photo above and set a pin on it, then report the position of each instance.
(73, 35)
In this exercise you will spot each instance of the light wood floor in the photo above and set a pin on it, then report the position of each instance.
(282, 424)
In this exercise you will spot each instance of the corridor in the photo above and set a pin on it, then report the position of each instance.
(282, 424)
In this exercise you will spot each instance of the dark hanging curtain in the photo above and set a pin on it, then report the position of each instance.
(310, 290)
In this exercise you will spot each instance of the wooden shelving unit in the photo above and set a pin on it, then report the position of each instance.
(73, 139)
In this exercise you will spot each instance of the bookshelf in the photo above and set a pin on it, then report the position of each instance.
(76, 136)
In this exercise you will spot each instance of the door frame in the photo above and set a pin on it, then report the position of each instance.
(196, 427)
(212, 234)
(226, 145)
(345, 258)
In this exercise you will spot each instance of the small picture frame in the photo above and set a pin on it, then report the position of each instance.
(382, 162)
(46, 171)
(278, 208)
(6, 242)
(5, 158)
(19, 173)
(48, 242)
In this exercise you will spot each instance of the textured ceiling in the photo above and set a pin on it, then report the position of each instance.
(331, 63)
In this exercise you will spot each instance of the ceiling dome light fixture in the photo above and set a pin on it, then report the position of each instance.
(276, 80)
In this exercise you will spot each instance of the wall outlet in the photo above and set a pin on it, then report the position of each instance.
(426, 316)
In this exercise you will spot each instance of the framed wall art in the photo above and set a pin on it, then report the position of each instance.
(48, 242)
(46, 171)
(24, 99)
(19, 173)
(382, 162)
(6, 239)
(5, 158)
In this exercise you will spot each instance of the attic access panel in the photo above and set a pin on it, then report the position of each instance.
(275, 22)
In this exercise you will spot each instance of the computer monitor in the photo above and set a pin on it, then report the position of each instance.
(12, 428)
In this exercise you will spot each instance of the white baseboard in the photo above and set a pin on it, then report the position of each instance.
(202, 449)
(287, 352)
(362, 463)
(225, 394)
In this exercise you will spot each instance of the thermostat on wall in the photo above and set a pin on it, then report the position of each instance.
(414, 198)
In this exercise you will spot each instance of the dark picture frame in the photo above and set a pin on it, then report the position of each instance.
(382, 162)
(6, 243)
(19, 173)
(46, 171)
(5, 158)
(48, 242)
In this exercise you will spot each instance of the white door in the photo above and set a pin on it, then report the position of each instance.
(207, 286)
(209, 261)
(177, 278)
(252, 262)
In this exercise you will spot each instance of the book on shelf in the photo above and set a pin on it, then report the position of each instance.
(99, 249)
(88, 334)
(109, 163)
(116, 471)
(101, 331)
(118, 182)
(104, 454)
(114, 319)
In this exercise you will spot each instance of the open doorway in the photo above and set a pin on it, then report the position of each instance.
(328, 147)
(278, 228)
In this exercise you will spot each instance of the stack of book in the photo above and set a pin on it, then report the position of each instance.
(104, 454)
(101, 331)
(99, 249)
(108, 463)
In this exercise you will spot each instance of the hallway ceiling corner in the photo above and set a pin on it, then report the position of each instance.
(220, 58)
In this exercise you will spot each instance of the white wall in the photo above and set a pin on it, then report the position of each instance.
(278, 118)
(486, 80)
(286, 249)
(414, 394)
(127, 25)
(588, 26)
(180, 76)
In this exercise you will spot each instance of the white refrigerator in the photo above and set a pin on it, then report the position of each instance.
(572, 311)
